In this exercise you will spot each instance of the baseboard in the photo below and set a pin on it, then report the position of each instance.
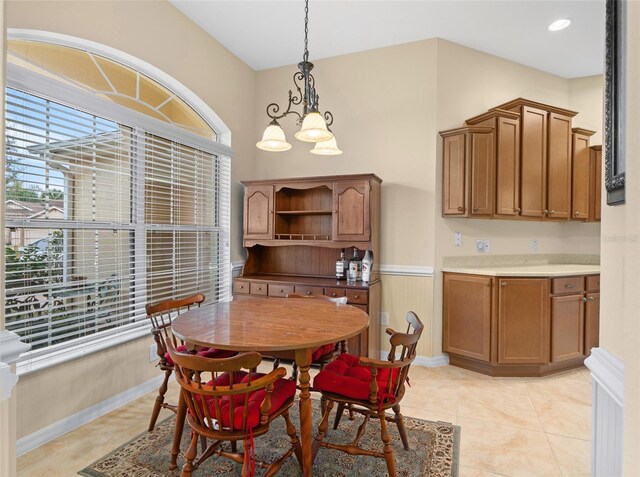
(426, 361)
(57, 429)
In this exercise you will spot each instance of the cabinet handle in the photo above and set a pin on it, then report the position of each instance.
(356, 297)
(583, 299)
(460, 209)
(503, 284)
(568, 285)
(308, 293)
(551, 212)
(475, 209)
(333, 294)
(545, 212)
(517, 210)
(591, 298)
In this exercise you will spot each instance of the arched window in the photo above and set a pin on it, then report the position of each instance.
(117, 193)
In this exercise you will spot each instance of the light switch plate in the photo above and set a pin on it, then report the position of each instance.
(487, 246)
(384, 318)
(480, 246)
(457, 239)
(534, 245)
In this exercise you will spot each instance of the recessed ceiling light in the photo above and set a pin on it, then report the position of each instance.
(560, 24)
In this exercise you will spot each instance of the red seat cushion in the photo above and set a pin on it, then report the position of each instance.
(283, 389)
(206, 352)
(321, 351)
(346, 376)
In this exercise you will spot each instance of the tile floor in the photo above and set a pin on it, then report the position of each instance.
(510, 426)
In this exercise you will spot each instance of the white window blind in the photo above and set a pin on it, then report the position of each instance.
(102, 218)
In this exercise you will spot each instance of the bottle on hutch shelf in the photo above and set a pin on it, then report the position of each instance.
(341, 267)
(367, 263)
(352, 273)
(354, 267)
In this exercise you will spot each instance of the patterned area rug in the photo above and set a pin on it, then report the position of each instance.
(434, 452)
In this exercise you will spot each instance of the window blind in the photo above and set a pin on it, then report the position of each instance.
(102, 218)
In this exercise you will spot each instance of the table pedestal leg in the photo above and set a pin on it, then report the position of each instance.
(177, 436)
(303, 360)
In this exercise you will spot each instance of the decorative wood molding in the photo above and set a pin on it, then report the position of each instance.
(406, 270)
(8, 381)
(607, 411)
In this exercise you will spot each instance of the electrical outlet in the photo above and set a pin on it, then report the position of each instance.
(480, 246)
(487, 246)
(153, 352)
(534, 245)
(457, 239)
(384, 318)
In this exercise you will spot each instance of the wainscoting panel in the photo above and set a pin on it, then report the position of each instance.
(607, 372)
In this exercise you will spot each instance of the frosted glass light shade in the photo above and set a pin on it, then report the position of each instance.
(327, 148)
(273, 140)
(313, 129)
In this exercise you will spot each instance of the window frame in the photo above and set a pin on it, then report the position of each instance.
(53, 90)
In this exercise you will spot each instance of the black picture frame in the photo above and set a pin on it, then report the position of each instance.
(614, 101)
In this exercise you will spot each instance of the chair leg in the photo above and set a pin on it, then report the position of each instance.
(159, 400)
(388, 450)
(322, 428)
(339, 412)
(190, 456)
(323, 405)
(293, 435)
(294, 373)
(401, 429)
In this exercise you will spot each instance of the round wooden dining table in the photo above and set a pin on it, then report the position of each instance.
(270, 325)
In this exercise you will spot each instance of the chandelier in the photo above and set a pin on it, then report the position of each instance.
(314, 126)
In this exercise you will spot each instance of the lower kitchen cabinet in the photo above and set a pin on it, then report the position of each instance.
(514, 326)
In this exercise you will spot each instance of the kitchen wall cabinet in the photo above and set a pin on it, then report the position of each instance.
(517, 326)
(533, 147)
(468, 172)
(583, 180)
(505, 129)
(294, 231)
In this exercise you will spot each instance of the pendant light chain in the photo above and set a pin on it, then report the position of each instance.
(305, 56)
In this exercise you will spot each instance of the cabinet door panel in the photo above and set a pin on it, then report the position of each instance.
(258, 212)
(592, 322)
(454, 174)
(351, 211)
(559, 167)
(533, 162)
(567, 327)
(508, 167)
(467, 316)
(581, 173)
(523, 320)
(596, 183)
(482, 174)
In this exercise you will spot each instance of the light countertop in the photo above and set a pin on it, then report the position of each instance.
(543, 270)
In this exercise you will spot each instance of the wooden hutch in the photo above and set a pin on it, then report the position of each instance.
(294, 230)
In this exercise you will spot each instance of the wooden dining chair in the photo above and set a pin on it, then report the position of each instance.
(325, 353)
(370, 387)
(228, 402)
(161, 315)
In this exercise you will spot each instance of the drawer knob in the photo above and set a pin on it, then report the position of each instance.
(356, 297)
(569, 285)
(503, 284)
(517, 210)
(591, 298)
(308, 293)
(460, 209)
(584, 300)
(333, 294)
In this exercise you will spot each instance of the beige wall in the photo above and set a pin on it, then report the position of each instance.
(159, 34)
(619, 322)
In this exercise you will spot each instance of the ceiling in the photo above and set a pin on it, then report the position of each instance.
(267, 34)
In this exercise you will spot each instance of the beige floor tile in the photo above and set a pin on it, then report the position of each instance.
(563, 417)
(471, 472)
(499, 408)
(441, 397)
(500, 449)
(573, 455)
